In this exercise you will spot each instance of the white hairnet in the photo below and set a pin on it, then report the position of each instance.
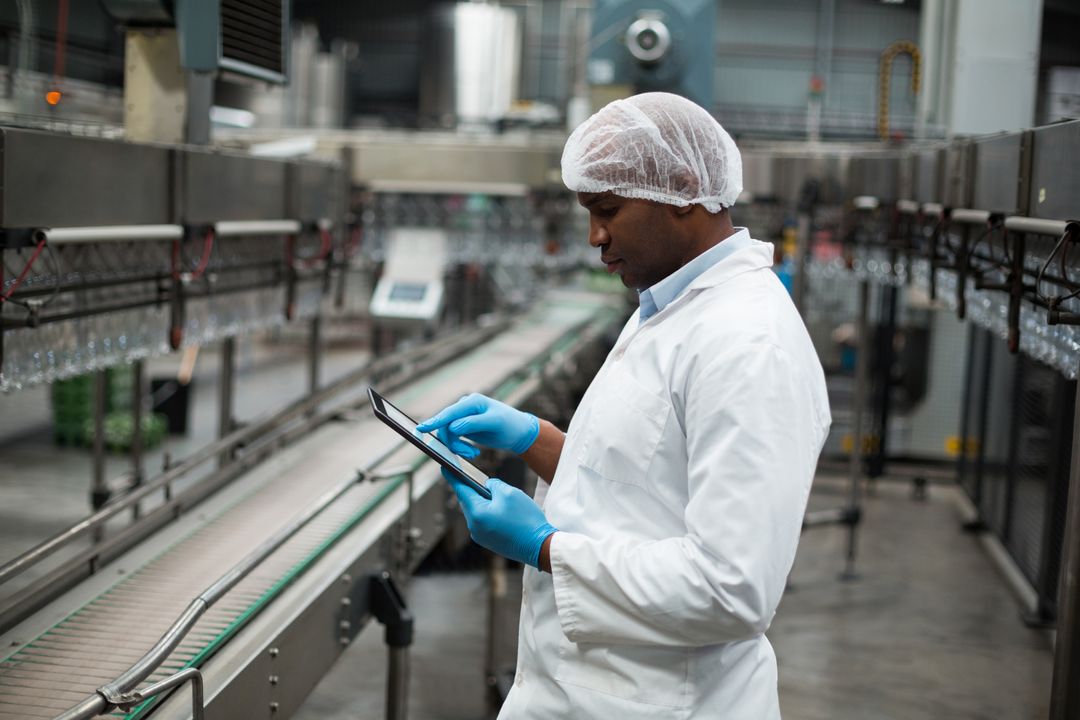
(655, 146)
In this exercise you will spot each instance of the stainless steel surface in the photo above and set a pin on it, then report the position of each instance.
(876, 176)
(53, 180)
(1055, 172)
(996, 174)
(317, 191)
(107, 233)
(1053, 228)
(927, 182)
(238, 228)
(427, 161)
(648, 39)
(218, 186)
(469, 68)
(1065, 692)
(958, 174)
(907, 207)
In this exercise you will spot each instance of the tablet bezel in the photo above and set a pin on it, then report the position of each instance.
(377, 406)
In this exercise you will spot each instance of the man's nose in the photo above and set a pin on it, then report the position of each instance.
(598, 234)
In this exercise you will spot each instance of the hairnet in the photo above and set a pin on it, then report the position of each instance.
(655, 146)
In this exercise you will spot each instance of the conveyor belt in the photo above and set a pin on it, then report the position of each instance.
(70, 660)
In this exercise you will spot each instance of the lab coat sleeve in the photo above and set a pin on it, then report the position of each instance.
(753, 434)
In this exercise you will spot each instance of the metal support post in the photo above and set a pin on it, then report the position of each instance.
(855, 470)
(314, 353)
(388, 607)
(99, 490)
(136, 430)
(1065, 691)
(225, 395)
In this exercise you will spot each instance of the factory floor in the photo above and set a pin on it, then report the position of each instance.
(929, 630)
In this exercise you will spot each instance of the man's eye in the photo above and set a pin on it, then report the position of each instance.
(607, 211)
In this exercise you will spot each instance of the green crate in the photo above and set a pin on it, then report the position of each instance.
(119, 429)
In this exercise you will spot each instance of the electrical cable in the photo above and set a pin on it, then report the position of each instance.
(1055, 300)
(4, 297)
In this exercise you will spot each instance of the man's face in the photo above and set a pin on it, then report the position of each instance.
(638, 239)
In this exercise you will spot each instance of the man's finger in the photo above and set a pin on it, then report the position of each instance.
(467, 497)
(456, 444)
(464, 407)
(472, 424)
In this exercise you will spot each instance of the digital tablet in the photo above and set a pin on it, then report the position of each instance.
(429, 443)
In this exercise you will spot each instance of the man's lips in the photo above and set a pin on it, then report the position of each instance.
(611, 264)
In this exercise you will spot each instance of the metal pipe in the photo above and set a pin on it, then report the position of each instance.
(866, 202)
(968, 216)
(1065, 690)
(99, 489)
(107, 233)
(397, 684)
(862, 363)
(136, 430)
(258, 428)
(239, 228)
(225, 397)
(1036, 225)
(198, 704)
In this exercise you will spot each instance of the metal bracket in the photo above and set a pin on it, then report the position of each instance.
(388, 606)
(128, 700)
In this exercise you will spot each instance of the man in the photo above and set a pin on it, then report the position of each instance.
(666, 522)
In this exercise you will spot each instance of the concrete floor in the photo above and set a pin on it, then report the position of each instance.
(929, 630)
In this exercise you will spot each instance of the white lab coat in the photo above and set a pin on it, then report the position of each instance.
(679, 498)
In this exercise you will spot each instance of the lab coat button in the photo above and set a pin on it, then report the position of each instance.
(520, 679)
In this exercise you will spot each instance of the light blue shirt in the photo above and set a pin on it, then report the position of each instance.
(660, 295)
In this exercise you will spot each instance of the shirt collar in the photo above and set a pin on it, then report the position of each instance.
(656, 298)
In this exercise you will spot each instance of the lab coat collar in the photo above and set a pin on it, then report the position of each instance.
(754, 256)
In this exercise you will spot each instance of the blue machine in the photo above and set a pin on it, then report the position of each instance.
(654, 45)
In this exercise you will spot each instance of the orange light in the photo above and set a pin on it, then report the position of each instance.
(53, 97)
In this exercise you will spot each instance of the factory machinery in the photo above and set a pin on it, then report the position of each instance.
(985, 227)
(226, 584)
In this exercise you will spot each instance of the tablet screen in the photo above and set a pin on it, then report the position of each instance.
(435, 444)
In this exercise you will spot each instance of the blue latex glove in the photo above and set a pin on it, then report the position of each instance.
(484, 421)
(510, 523)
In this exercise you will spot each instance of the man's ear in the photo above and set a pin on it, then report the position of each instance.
(681, 211)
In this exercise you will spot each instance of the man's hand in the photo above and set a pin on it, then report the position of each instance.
(484, 421)
(509, 524)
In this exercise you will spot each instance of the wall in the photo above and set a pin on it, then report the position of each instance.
(766, 56)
